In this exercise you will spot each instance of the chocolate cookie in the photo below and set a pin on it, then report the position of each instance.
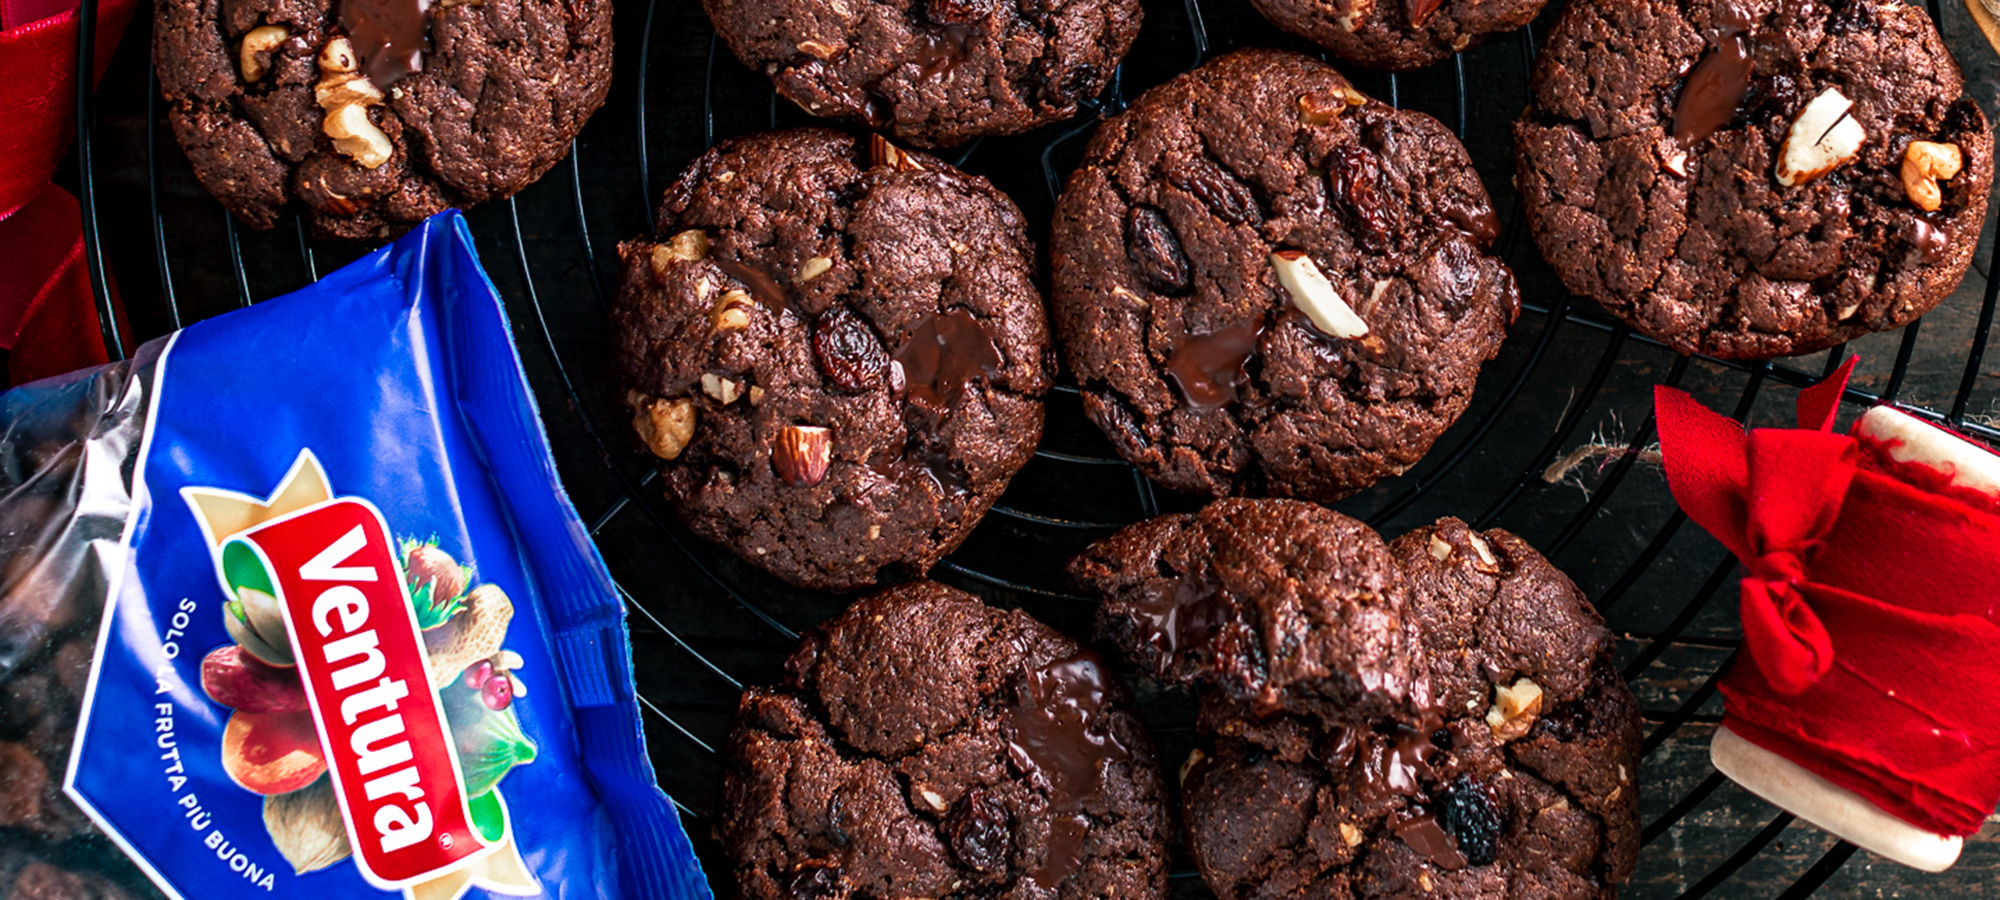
(926, 745)
(1398, 35)
(1504, 768)
(1272, 601)
(1751, 179)
(1266, 282)
(932, 72)
(374, 114)
(836, 350)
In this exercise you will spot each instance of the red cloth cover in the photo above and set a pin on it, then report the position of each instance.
(1870, 604)
(48, 319)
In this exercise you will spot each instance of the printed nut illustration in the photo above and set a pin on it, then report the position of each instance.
(271, 745)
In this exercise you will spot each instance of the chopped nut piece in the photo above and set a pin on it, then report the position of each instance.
(1350, 835)
(934, 799)
(724, 390)
(1514, 709)
(821, 51)
(1823, 138)
(356, 137)
(1319, 109)
(690, 245)
(261, 40)
(801, 454)
(1195, 758)
(665, 425)
(1487, 563)
(1924, 165)
(1678, 163)
(346, 90)
(814, 268)
(883, 153)
(1315, 296)
(1440, 548)
(337, 57)
(731, 312)
(756, 395)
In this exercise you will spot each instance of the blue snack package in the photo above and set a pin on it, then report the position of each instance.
(346, 635)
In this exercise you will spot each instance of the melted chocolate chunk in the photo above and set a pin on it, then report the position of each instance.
(943, 355)
(1181, 620)
(1397, 765)
(1479, 223)
(1715, 87)
(390, 37)
(764, 286)
(1928, 243)
(1059, 733)
(1424, 835)
(1210, 369)
(940, 51)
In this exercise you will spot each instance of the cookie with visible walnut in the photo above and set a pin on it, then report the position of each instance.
(1749, 179)
(835, 350)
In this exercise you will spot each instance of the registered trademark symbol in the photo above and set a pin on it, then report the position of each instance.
(444, 841)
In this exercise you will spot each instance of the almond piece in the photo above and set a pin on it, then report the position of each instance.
(1823, 138)
(814, 268)
(1315, 296)
(801, 454)
(724, 390)
(883, 153)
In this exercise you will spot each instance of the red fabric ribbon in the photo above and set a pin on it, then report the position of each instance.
(48, 315)
(1871, 610)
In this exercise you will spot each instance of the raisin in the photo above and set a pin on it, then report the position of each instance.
(1217, 189)
(847, 351)
(1422, 10)
(1151, 244)
(957, 12)
(1357, 185)
(816, 883)
(980, 832)
(1469, 813)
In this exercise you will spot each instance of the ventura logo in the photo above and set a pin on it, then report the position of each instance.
(361, 655)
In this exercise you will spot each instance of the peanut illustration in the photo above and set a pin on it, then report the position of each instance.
(472, 635)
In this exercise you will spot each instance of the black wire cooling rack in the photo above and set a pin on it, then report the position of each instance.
(1553, 447)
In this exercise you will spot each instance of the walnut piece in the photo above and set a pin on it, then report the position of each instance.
(665, 425)
(1924, 165)
(261, 40)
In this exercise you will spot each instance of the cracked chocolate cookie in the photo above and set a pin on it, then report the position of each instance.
(932, 72)
(373, 114)
(1504, 767)
(836, 350)
(1266, 282)
(1748, 178)
(924, 744)
(1398, 35)
(1274, 602)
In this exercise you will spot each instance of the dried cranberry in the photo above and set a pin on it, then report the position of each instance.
(847, 350)
(1467, 811)
(497, 693)
(1228, 198)
(980, 831)
(1151, 244)
(816, 883)
(1357, 185)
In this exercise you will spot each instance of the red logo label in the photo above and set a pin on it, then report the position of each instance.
(361, 655)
